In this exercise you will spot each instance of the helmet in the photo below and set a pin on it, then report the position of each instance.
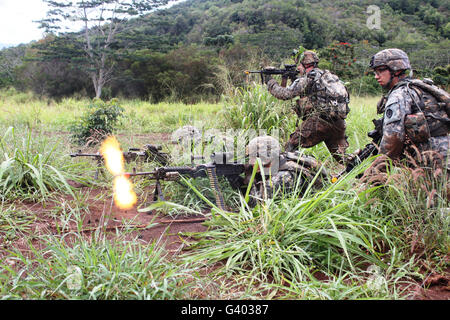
(186, 133)
(267, 149)
(308, 57)
(394, 59)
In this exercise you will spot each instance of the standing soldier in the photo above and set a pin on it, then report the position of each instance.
(323, 106)
(415, 112)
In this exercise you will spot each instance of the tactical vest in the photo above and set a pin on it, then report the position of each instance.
(328, 94)
(430, 112)
(429, 116)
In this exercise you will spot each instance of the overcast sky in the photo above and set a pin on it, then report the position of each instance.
(16, 20)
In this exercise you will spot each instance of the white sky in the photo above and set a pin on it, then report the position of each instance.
(16, 20)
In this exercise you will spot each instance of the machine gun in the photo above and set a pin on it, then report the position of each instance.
(148, 153)
(290, 71)
(369, 150)
(220, 165)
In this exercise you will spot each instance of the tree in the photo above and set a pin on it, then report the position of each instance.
(10, 59)
(100, 21)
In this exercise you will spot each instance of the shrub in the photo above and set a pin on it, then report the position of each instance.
(441, 76)
(365, 85)
(255, 108)
(99, 122)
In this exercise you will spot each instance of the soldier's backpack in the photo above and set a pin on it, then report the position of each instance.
(431, 113)
(328, 93)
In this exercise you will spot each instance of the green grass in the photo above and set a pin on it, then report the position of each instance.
(287, 236)
(14, 223)
(70, 267)
(141, 116)
(28, 168)
(276, 250)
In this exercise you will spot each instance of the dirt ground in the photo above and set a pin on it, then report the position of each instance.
(171, 234)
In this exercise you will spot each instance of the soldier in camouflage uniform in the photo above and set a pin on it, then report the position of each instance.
(281, 170)
(413, 119)
(323, 106)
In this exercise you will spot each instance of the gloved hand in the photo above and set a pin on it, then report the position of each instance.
(352, 156)
(267, 78)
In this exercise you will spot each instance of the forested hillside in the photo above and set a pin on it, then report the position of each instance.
(199, 48)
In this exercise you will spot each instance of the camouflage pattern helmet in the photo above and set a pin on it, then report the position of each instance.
(308, 57)
(186, 133)
(394, 59)
(268, 150)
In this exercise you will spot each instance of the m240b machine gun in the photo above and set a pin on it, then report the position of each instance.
(148, 153)
(220, 165)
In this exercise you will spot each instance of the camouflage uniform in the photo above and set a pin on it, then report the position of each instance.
(403, 131)
(398, 105)
(294, 169)
(281, 170)
(320, 122)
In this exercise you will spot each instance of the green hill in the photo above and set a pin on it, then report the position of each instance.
(278, 26)
(181, 51)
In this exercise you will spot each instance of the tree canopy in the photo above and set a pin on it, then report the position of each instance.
(195, 47)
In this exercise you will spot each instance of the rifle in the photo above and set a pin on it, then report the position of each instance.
(220, 165)
(148, 153)
(290, 71)
(369, 150)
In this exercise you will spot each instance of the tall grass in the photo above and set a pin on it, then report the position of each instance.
(417, 200)
(142, 116)
(14, 223)
(255, 108)
(28, 169)
(24, 109)
(285, 237)
(319, 244)
(71, 267)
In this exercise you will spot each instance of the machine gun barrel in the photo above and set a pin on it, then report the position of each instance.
(80, 154)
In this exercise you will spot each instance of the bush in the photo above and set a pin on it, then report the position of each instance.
(97, 124)
(255, 108)
(28, 169)
(441, 76)
(365, 85)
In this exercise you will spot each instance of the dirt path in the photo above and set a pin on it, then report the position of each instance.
(169, 232)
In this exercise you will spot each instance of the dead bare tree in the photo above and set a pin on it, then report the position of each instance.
(99, 21)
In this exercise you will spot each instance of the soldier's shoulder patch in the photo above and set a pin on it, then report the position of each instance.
(389, 113)
(393, 111)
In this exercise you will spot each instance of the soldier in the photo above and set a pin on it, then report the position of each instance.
(323, 106)
(415, 112)
(281, 170)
